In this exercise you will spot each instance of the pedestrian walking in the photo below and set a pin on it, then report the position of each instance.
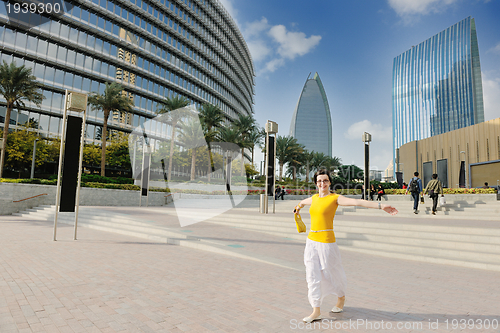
(415, 188)
(434, 188)
(324, 272)
(380, 192)
(372, 191)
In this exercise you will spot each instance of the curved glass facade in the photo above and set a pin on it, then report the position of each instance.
(437, 85)
(155, 49)
(311, 122)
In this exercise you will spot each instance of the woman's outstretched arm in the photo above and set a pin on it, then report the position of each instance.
(343, 201)
(301, 204)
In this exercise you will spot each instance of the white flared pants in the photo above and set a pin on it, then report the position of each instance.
(324, 272)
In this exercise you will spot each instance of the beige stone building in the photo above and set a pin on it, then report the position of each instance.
(478, 146)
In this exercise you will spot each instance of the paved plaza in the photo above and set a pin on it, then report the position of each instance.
(106, 282)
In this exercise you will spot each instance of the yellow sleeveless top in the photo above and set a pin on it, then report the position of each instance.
(322, 212)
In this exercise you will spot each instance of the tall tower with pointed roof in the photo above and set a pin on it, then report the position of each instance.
(311, 122)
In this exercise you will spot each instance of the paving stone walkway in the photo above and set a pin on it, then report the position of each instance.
(106, 282)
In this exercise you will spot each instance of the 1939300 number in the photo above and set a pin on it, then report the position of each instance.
(38, 8)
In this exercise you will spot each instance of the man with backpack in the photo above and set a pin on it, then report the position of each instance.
(415, 188)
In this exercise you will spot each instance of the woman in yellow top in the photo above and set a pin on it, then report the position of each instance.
(324, 272)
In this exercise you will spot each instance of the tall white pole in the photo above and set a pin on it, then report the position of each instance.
(82, 143)
(61, 152)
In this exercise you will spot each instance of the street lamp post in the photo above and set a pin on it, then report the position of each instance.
(367, 137)
(33, 159)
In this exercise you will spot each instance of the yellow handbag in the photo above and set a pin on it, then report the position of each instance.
(301, 227)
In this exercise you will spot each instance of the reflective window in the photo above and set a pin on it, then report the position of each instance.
(57, 101)
(71, 57)
(98, 45)
(80, 59)
(89, 133)
(77, 82)
(49, 73)
(59, 77)
(88, 63)
(90, 41)
(82, 38)
(86, 84)
(9, 37)
(44, 123)
(104, 68)
(97, 65)
(61, 54)
(54, 124)
(39, 71)
(48, 98)
(54, 28)
(21, 41)
(64, 31)
(68, 80)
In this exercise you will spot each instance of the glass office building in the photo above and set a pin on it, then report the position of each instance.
(155, 49)
(437, 85)
(311, 122)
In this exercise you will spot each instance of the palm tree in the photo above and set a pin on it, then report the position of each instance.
(192, 137)
(211, 117)
(246, 125)
(111, 100)
(168, 106)
(17, 84)
(287, 150)
(255, 138)
(319, 161)
(231, 135)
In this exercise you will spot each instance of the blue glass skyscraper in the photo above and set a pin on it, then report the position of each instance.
(437, 85)
(311, 122)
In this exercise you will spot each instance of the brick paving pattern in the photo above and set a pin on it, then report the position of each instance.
(106, 282)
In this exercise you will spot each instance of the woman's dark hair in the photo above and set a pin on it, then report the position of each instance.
(322, 172)
(435, 176)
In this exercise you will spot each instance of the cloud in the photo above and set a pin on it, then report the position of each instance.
(272, 45)
(292, 44)
(272, 65)
(495, 49)
(258, 49)
(491, 96)
(379, 132)
(408, 8)
(255, 28)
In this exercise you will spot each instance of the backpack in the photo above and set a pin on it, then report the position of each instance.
(414, 186)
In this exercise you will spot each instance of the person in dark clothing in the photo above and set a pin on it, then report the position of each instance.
(277, 192)
(282, 193)
(372, 191)
(415, 188)
(380, 192)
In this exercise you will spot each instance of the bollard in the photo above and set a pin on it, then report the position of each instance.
(262, 205)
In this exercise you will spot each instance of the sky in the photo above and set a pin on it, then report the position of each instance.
(352, 44)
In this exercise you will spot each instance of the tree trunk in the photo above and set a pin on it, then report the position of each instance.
(307, 173)
(242, 161)
(281, 170)
(193, 163)
(209, 170)
(171, 151)
(103, 140)
(5, 133)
